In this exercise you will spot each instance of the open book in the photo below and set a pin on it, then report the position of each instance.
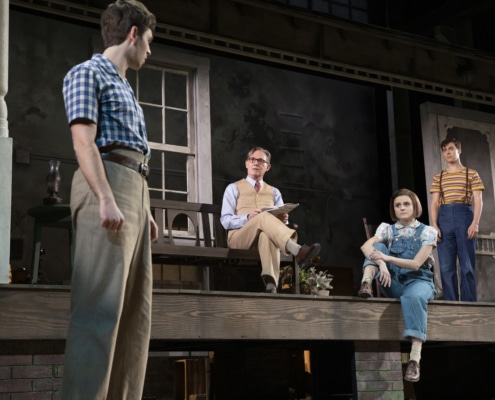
(282, 209)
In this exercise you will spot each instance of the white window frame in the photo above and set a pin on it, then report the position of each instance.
(199, 170)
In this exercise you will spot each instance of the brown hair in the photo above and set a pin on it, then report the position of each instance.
(267, 153)
(448, 140)
(120, 16)
(418, 210)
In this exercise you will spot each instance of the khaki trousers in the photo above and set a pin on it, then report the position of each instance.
(270, 235)
(110, 324)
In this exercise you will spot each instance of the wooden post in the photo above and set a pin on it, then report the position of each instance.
(4, 65)
(5, 147)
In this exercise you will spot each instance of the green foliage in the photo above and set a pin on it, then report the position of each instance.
(312, 280)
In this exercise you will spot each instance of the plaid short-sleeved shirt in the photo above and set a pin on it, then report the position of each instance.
(95, 91)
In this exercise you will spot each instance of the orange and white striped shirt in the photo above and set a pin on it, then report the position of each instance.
(456, 187)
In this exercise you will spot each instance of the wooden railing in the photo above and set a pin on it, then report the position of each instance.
(485, 244)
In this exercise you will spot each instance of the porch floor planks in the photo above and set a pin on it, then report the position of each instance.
(39, 312)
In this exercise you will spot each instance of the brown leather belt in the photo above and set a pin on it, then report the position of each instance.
(128, 162)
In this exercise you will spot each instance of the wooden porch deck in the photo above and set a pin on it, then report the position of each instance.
(37, 312)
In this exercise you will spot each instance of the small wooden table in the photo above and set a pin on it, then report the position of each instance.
(53, 216)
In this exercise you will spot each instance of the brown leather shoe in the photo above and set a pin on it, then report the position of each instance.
(306, 253)
(412, 371)
(366, 291)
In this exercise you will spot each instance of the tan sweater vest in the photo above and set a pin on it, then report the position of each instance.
(249, 200)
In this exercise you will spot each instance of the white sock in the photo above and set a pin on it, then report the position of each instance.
(292, 247)
(367, 276)
(416, 351)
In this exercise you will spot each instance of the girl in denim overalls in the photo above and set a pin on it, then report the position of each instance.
(399, 256)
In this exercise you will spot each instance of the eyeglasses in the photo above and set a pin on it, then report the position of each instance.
(253, 160)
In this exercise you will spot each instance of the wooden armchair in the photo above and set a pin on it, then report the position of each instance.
(370, 230)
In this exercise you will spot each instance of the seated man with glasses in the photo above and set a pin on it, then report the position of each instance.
(249, 226)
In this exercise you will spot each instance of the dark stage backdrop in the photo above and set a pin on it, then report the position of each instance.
(323, 140)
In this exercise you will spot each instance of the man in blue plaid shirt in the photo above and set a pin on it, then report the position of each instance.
(109, 330)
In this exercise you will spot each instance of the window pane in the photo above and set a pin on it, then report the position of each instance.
(153, 119)
(155, 180)
(176, 127)
(176, 196)
(175, 175)
(154, 194)
(175, 90)
(346, 2)
(175, 171)
(150, 86)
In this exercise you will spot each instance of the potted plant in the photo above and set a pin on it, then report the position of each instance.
(315, 281)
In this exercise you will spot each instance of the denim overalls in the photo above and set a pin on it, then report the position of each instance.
(454, 221)
(414, 288)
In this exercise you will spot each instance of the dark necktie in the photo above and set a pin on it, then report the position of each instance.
(257, 186)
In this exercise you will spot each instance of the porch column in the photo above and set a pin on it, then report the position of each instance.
(5, 146)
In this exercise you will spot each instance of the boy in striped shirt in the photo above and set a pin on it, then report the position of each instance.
(455, 213)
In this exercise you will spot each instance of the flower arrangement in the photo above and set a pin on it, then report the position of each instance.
(312, 281)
